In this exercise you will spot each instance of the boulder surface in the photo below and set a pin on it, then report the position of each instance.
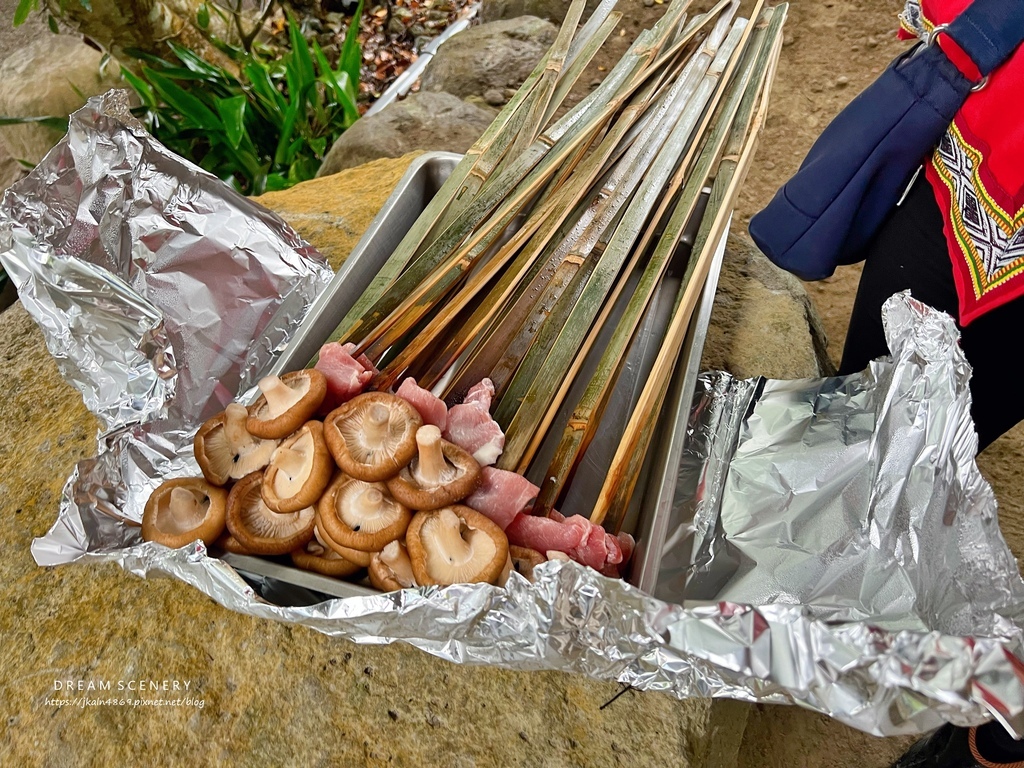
(421, 121)
(492, 58)
(44, 80)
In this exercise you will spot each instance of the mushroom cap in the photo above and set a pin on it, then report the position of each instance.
(361, 515)
(180, 511)
(298, 471)
(280, 416)
(225, 455)
(260, 529)
(390, 569)
(228, 543)
(320, 559)
(373, 435)
(455, 545)
(457, 479)
(524, 560)
(357, 556)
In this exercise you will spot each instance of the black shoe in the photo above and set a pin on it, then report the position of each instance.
(951, 747)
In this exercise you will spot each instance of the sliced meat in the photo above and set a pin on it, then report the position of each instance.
(347, 376)
(502, 495)
(431, 409)
(543, 534)
(470, 425)
(576, 537)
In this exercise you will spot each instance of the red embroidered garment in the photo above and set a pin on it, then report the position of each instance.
(977, 172)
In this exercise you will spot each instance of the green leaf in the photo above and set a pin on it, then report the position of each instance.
(276, 182)
(194, 111)
(200, 66)
(300, 59)
(203, 16)
(339, 91)
(259, 78)
(52, 22)
(141, 55)
(232, 115)
(25, 7)
(59, 123)
(287, 129)
(141, 87)
(351, 55)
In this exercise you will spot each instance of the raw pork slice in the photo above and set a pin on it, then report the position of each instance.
(347, 376)
(576, 536)
(502, 495)
(543, 534)
(431, 409)
(470, 425)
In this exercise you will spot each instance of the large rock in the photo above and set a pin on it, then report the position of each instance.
(421, 121)
(763, 323)
(367, 705)
(332, 222)
(552, 10)
(49, 77)
(490, 61)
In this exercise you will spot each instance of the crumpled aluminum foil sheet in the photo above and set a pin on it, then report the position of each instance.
(111, 222)
(161, 292)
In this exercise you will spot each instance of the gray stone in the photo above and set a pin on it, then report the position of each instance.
(420, 121)
(41, 80)
(494, 97)
(498, 55)
(552, 10)
(763, 322)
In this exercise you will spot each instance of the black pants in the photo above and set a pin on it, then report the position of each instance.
(910, 251)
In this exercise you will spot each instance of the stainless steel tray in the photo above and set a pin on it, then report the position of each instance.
(654, 497)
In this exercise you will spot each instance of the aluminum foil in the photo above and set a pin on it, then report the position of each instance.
(162, 294)
(844, 543)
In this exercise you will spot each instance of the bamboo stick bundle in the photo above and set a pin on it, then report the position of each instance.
(585, 418)
(739, 151)
(428, 291)
(538, 389)
(406, 299)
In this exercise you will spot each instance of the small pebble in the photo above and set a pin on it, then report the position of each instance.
(523, 736)
(842, 81)
(648, 3)
(871, 42)
(393, 715)
(494, 97)
(769, 166)
(788, 40)
(855, 48)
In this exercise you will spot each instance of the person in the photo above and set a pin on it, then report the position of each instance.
(956, 241)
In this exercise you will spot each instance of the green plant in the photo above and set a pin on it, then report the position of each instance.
(266, 128)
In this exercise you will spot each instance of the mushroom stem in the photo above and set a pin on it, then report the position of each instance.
(453, 546)
(290, 461)
(432, 465)
(234, 426)
(186, 511)
(369, 502)
(395, 557)
(280, 397)
(375, 427)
